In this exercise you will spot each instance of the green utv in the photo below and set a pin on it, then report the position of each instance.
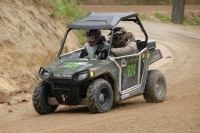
(71, 80)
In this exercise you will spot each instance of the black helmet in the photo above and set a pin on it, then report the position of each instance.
(119, 37)
(93, 36)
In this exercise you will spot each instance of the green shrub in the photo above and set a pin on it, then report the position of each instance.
(69, 10)
(192, 19)
(162, 17)
(144, 16)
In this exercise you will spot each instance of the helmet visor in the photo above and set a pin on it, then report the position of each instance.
(90, 38)
(116, 38)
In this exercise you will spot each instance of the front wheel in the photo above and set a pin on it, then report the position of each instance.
(99, 96)
(40, 99)
(155, 89)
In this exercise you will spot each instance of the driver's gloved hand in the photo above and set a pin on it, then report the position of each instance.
(104, 54)
(83, 53)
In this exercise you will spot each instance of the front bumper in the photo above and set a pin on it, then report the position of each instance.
(68, 91)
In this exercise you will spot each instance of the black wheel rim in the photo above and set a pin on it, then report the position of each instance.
(104, 97)
(159, 87)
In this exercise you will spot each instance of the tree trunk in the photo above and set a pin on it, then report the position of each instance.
(178, 11)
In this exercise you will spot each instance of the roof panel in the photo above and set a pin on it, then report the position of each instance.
(101, 20)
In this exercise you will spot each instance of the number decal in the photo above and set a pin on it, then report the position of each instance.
(131, 67)
(131, 70)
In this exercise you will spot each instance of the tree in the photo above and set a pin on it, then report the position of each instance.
(178, 7)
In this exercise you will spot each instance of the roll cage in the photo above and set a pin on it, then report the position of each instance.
(103, 21)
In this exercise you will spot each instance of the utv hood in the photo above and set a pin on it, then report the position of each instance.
(70, 67)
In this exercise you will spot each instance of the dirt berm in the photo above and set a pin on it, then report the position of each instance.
(29, 38)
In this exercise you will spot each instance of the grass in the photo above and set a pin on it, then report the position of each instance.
(162, 17)
(81, 35)
(69, 10)
(190, 18)
(137, 2)
(144, 16)
(64, 8)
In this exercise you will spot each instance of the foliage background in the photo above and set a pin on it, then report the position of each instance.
(134, 2)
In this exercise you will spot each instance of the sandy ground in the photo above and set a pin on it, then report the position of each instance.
(179, 113)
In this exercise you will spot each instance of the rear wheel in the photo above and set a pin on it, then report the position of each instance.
(40, 99)
(155, 89)
(99, 96)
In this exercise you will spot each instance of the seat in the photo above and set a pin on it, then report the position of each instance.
(151, 44)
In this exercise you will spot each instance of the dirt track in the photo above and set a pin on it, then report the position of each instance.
(138, 9)
(179, 113)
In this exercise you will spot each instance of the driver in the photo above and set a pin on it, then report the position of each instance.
(123, 42)
(96, 47)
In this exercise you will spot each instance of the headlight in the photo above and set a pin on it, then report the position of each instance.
(82, 76)
(46, 74)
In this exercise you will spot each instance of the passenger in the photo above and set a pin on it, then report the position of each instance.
(123, 42)
(96, 48)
